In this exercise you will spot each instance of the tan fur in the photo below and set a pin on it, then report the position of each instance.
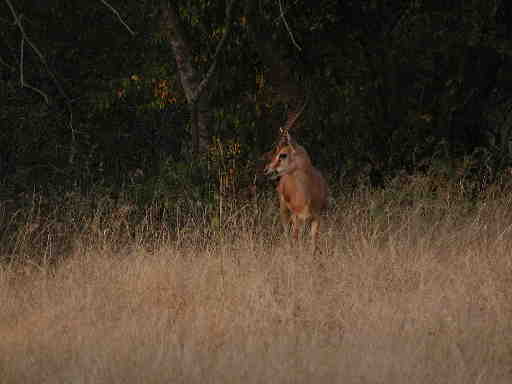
(302, 189)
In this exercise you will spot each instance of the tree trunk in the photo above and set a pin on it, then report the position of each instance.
(190, 78)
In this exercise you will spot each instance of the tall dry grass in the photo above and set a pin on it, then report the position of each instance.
(413, 285)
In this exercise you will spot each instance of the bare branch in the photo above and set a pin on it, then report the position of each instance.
(23, 83)
(288, 27)
(24, 38)
(7, 65)
(202, 85)
(394, 29)
(118, 16)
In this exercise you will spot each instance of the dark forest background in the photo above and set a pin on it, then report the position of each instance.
(169, 100)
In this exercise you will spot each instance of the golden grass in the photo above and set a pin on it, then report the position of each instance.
(406, 290)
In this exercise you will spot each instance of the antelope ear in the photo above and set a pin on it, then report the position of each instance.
(291, 142)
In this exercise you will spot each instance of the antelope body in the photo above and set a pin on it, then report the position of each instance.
(302, 189)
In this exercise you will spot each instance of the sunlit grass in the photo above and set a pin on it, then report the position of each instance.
(412, 286)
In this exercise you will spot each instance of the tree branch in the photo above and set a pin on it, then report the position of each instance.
(23, 83)
(24, 38)
(7, 65)
(202, 85)
(192, 80)
(118, 16)
(281, 11)
(395, 27)
(278, 74)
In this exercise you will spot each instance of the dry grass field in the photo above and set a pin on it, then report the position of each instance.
(413, 285)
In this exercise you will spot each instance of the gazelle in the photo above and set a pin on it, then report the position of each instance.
(302, 189)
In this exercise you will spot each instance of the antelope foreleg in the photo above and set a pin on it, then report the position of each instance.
(315, 227)
(285, 216)
(295, 227)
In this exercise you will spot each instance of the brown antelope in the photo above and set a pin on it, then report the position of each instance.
(302, 189)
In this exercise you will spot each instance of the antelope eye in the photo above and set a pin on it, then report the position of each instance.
(283, 155)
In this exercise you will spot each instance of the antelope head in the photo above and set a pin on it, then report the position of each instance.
(288, 157)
